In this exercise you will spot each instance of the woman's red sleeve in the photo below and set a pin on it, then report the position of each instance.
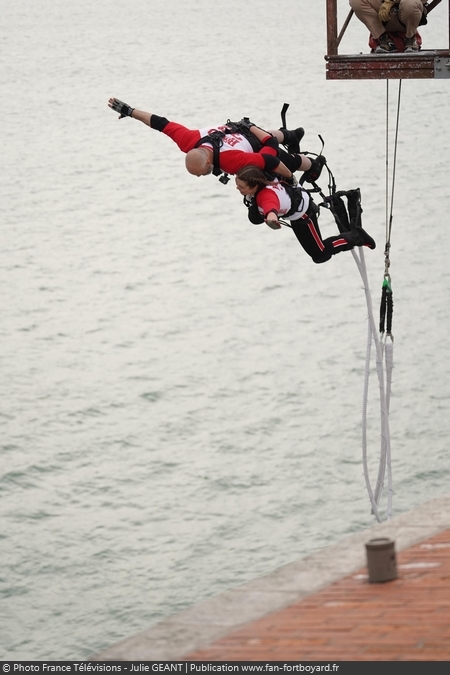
(267, 200)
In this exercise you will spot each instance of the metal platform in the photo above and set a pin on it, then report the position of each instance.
(426, 64)
(421, 65)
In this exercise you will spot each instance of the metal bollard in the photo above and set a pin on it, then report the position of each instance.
(381, 561)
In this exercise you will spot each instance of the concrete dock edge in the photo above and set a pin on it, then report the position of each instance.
(212, 619)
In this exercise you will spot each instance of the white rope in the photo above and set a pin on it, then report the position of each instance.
(384, 392)
(384, 349)
(389, 360)
(385, 455)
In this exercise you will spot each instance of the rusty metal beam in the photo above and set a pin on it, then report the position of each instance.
(379, 66)
(332, 43)
(344, 27)
(383, 66)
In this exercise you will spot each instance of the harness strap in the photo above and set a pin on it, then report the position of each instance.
(215, 138)
(347, 218)
(243, 127)
(296, 196)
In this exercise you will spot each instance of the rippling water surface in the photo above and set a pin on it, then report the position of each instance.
(181, 391)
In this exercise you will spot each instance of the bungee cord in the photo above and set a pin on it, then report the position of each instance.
(384, 348)
(371, 335)
(387, 300)
(384, 356)
(385, 454)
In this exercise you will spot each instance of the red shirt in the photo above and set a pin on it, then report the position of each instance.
(267, 200)
(230, 160)
(275, 197)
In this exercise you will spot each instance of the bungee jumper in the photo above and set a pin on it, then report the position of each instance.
(225, 148)
(264, 176)
(274, 201)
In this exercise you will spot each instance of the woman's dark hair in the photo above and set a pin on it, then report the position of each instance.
(253, 176)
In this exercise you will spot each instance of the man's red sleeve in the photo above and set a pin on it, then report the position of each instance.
(183, 137)
(233, 160)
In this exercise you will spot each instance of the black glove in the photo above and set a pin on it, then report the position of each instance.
(119, 106)
(314, 172)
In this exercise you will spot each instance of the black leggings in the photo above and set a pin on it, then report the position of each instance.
(293, 162)
(307, 231)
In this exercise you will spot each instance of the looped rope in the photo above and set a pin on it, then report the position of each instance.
(384, 349)
(386, 315)
(384, 352)
(384, 388)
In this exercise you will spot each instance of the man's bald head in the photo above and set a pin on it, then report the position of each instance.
(199, 162)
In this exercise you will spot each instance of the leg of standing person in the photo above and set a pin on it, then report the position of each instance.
(367, 12)
(406, 20)
(409, 15)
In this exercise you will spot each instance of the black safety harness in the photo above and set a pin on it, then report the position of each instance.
(295, 193)
(215, 139)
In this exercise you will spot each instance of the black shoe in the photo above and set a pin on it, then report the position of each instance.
(313, 173)
(411, 45)
(359, 237)
(337, 207)
(292, 139)
(385, 45)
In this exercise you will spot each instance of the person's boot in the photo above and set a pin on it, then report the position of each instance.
(385, 45)
(359, 237)
(292, 139)
(411, 45)
(354, 208)
(313, 173)
(337, 208)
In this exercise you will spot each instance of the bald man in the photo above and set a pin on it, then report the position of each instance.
(221, 150)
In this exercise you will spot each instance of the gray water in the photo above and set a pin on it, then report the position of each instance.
(181, 391)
